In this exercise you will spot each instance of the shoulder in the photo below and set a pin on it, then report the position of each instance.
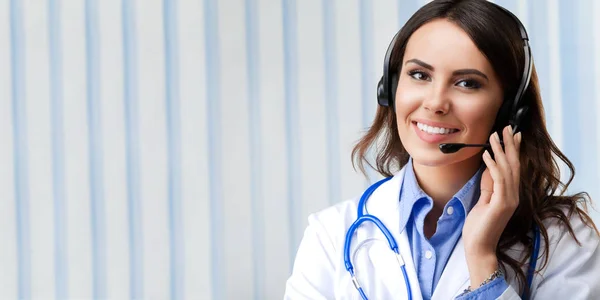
(382, 197)
(573, 261)
(583, 241)
(335, 219)
(583, 231)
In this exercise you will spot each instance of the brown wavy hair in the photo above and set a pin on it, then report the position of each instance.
(542, 194)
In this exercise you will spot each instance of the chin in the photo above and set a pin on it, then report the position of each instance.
(433, 157)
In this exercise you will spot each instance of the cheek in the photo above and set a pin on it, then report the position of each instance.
(408, 99)
(477, 118)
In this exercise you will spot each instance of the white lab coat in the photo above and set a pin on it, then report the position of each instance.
(573, 271)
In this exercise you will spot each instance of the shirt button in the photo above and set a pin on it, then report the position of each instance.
(428, 254)
(450, 210)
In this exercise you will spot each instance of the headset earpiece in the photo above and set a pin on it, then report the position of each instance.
(382, 97)
(392, 98)
(387, 97)
(518, 117)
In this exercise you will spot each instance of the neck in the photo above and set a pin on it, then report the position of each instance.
(441, 183)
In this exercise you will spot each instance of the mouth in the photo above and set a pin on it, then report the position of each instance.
(433, 129)
(434, 133)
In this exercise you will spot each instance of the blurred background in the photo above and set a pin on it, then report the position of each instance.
(174, 149)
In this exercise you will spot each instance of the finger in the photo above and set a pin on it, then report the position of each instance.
(511, 151)
(497, 178)
(486, 194)
(500, 157)
(499, 186)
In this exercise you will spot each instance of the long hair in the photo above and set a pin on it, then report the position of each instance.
(542, 194)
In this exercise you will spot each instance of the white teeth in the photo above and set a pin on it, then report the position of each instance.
(435, 130)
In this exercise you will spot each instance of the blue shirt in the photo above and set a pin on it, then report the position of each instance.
(431, 255)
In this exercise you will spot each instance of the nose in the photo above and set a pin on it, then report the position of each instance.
(437, 102)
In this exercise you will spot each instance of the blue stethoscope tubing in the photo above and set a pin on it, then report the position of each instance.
(362, 217)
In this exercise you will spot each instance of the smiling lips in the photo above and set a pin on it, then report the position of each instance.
(433, 134)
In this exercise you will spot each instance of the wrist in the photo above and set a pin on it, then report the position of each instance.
(481, 267)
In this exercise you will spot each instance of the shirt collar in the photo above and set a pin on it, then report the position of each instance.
(411, 192)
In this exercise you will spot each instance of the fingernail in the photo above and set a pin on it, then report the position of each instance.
(519, 137)
(496, 136)
(510, 130)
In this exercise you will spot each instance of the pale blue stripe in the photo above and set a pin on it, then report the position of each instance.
(538, 39)
(95, 150)
(17, 50)
(173, 148)
(58, 155)
(256, 175)
(215, 176)
(369, 84)
(571, 96)
(370, 77)
(509, 4)
(586, 117)
(406, 8)
(331, 102)
(292, 131)
(132, 149)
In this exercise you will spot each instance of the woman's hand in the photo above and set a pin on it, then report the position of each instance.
(497, 203)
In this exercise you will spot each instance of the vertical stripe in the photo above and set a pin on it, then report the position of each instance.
(539, 35)
(555, 71)
(292, 131)
(17, 50)
(368, 86)
(95, 149)
(366, 61)
(586, 82)
(132, 151)
(523, 12)
(213, 119)
(571, 95)
(256, 174)
(58, 164)
(331, 101)
(596, 49)
(511, 5)
(406, 8)
(173, 148)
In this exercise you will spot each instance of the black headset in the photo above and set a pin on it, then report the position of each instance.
(386, 88)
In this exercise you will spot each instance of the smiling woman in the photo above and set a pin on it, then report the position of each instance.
(470, 224)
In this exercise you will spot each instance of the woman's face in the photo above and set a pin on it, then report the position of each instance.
(447, 92)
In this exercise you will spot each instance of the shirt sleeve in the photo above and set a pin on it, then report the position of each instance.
(491, 290)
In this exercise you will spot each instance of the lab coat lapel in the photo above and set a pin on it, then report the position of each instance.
(455, 278)
(384, 204)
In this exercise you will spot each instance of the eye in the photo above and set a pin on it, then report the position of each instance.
(469, 84)
(419, 75)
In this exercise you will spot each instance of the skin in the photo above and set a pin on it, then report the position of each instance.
(446, 79)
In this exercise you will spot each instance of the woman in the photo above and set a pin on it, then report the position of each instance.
(466, 222)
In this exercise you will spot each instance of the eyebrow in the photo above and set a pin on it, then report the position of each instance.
(455, 73)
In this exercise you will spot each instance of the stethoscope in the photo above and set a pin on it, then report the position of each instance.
(362, 217)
